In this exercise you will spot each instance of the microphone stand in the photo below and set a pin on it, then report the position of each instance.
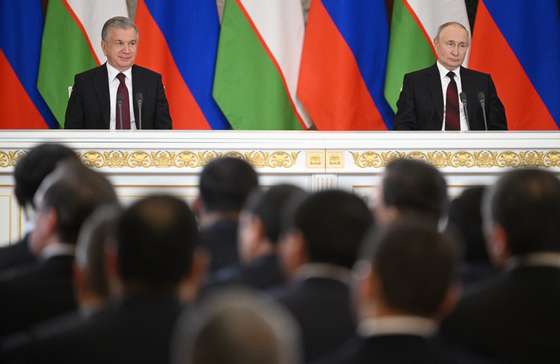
(463, 98)
(482, 101)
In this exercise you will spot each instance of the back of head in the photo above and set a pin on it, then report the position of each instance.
(34, 166)
(225, 184)
(270, 207)
(74, 192)
(237, 328)
(97, 232)
(413, 186)
(526, 204)
(465, 217)
(333, 224)
(155, 243)
(415, 264)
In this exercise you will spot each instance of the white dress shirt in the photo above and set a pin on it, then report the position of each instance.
(113, 86)
(444, 83)
(397, 325)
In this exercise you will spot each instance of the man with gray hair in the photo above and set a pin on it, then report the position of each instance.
(118, 94)
(446, 95)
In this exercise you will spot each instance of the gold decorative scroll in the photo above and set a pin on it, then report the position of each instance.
(462, 159)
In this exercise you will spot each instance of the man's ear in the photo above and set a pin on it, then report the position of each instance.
(497, 245)
(450, 300)
(189, 286)
(293, 252)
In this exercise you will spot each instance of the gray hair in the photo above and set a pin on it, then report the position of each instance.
(237, 327)
(121, 22)
(450, 23)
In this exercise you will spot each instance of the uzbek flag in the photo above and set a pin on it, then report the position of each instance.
(518, 43)
(72, 44)
(414, 25)
(258, 64)
(343, 65)
(179, 39)
(21, 105)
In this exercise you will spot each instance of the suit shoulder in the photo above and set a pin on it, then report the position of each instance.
(420, 73)
(91, 73)
(474, 74)
(145, 72)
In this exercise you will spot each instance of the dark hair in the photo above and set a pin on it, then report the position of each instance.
(225, 184)
(414, 263)
(97, 232)
(526, 204)
(155, 243)
(415, 186)
(465, 219)
(333, 224)
(270, 207)
(75, 191)
(34, 166)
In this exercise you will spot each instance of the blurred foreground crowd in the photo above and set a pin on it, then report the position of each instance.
(280, 275)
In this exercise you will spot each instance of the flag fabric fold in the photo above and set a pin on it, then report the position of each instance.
(21, 28)
(258, 64)
(179, 39)
(343, 65)
(414, 25)
(72, 44)
(517, 42)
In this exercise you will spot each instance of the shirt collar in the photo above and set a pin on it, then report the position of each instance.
(545, 259)
(444, 71)
(113, 72)
(56, 249)
(397, 325)
(323, 270)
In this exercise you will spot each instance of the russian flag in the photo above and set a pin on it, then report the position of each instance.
(21, 28)
(518, 43)
(179, 39)
(342, 71)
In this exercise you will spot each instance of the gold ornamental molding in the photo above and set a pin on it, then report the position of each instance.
(462, 159)
(184, 159)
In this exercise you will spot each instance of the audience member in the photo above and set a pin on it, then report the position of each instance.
(65, 199)
(29, 172)
(514, 317)
(154, 254)
(261, 224)
(318, 253)
(406, 281)
(465, 220)
(225, 183)
(411, 186)
(237, 328)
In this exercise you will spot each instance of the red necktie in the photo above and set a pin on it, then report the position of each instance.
(452, 104)
(122, 94)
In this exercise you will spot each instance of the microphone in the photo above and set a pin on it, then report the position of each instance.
(463, 97)
(139, 100)
(119, 106)
(482, 101)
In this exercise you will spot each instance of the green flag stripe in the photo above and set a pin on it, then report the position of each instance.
(247, 85)
(64, 53)
(408, 51)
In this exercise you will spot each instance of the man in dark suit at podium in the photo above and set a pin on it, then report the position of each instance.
(118, 94)
(435, 98)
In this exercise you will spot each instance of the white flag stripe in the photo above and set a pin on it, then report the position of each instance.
(433, 13)
(93, 14)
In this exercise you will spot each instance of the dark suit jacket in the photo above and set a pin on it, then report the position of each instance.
(36, 293)
(220, 240)
(16, 255)
(390, 349)
(513, 318)
(135, 330)
(322, 308)
(420, 105)
(89, 104)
